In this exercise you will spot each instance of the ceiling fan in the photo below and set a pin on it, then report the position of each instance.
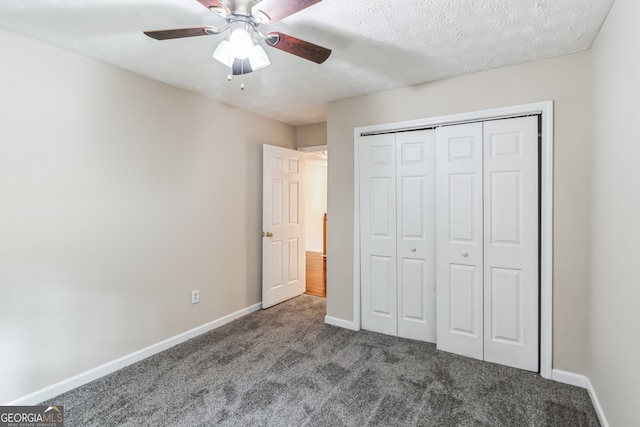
(240, 50)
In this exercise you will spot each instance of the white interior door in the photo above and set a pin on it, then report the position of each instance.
(378, 233)
(511, 242)
(415, 207)
(283, 260)
(459, 239)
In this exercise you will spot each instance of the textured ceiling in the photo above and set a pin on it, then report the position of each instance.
(377, 44)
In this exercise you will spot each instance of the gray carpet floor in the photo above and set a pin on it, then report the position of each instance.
(285, 367)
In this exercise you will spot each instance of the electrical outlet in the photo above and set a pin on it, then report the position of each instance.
(195, 296)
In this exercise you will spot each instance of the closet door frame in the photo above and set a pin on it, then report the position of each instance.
(545, 111)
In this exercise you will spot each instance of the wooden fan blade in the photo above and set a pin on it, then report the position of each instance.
(301, 48)
(275, 10)
(182, 32)
(216, 5)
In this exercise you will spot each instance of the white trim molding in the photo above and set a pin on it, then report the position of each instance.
(596, 404)
(566, 377)
(545, 110)
(582, 381)
(341, 323)
(110, 367)
(313, 148)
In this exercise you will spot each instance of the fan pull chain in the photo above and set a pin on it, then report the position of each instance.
(230, 75)
(242, 76)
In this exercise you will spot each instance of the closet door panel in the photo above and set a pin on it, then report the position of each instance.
(463, 293)
(511, 242)
(459, 239)
(415, 206)
(382, 273)
(378, 267)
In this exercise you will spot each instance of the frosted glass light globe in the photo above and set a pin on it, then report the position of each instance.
(241, 43)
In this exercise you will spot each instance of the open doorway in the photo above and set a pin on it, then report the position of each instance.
(315, 212)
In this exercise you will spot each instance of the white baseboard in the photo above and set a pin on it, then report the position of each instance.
(570, 378)
(596, 404)
(341, 323)
(582, 381)
(110, 367)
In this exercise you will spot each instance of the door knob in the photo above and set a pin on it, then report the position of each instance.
(269, 234)
(413, 249)
(465, 254)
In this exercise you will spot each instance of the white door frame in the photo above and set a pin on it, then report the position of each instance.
(313, 148)
(545, 109)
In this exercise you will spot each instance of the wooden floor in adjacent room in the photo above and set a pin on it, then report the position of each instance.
(316, 274)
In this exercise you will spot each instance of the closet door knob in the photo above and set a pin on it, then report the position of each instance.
(465, 254)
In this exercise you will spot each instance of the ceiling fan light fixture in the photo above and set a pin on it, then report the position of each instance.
(223, 53)
(258, 58)
(240, 52)
(240, 43)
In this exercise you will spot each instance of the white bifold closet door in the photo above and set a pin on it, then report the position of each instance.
(397, 220)
(459, 239)
(487, 241)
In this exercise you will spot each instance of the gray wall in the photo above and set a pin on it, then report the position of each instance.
(566, 81)
(311, 135)
(614, 318)
(119, 195)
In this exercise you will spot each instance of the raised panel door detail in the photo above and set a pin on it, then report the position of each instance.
(412, 153)
(462, 207)
(382, 197)
(294, 204)
(506, 305)
(413, 282)
(277, 203)
(277, 264)
(412, 193)
(463, 292)
(382, 280)
(461, 149)
(294, 166)
(294, 259)
(381, 155)
(506, 207)
(277, 164)
(505, 144)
